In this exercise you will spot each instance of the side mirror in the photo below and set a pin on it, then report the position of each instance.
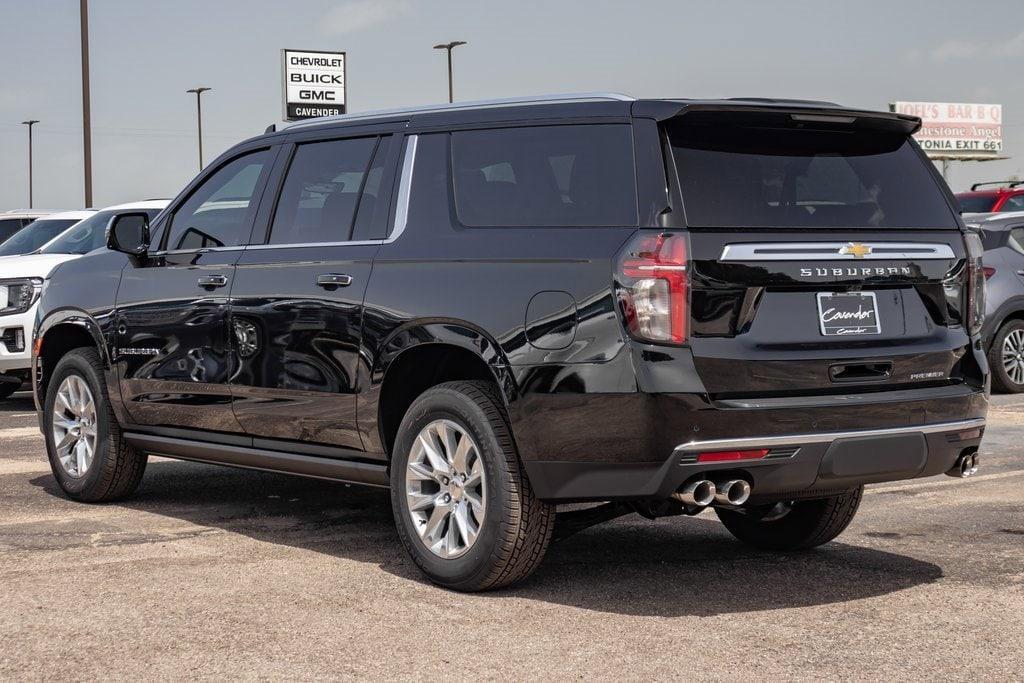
(128, 233)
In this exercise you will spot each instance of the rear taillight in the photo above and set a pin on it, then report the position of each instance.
(989, 271)
(654, 288)
(976, 276)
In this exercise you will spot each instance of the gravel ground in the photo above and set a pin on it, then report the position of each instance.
(218, 573)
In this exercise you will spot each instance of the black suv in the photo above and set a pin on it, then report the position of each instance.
(493, 308)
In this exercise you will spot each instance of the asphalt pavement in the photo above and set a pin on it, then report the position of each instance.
(221, 573)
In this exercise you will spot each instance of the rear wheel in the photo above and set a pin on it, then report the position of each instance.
(464, 509)
(793, 526)
(1006, 358)
(88, 456)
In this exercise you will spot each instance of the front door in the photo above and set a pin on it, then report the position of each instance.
(296, 311)
(173, 351)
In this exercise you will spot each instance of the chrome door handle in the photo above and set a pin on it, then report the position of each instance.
(212, 281)
(333, 280)
(1020, 272)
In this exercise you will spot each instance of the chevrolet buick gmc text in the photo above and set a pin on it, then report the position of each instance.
(492, 308)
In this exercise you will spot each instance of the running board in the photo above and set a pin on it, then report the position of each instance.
(347, 471)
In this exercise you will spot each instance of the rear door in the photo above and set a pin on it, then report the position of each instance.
(173, 350)
(296, 311)
(824, 255)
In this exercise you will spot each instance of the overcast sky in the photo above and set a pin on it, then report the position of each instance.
(145, 54)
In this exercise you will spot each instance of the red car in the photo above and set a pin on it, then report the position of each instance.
(1007, 196)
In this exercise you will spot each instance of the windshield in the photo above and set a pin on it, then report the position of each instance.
(759, 176)
(979, 203)
(34, 235)
(89, 235)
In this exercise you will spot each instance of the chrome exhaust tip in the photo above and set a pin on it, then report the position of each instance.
(700, 493)
(966, 466)
(732, 492)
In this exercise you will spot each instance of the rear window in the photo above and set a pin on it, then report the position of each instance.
(545, 176)
(976, 203)
(740, 176)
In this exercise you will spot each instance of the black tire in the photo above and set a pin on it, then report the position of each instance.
(807, 524)
(516, 527)
(1001, 380)
(116, 468)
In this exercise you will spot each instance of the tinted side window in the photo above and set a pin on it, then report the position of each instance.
(219, 212)
(1014, 203)
(321, 192)
(545, 176)
(1016, 240)
(371, 222)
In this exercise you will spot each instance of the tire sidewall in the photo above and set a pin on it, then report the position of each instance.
(995, 358)
(452, 405)
(76, 363)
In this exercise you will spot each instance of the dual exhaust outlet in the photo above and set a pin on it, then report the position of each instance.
(966, 466)
(704, 492)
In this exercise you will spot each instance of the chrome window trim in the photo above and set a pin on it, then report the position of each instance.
(823, 437)
(404, 190)
(832, 251)
(304, 245)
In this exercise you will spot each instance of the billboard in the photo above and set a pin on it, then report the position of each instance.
(957, 130)
(314, 83)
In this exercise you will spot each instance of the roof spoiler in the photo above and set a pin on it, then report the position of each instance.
(795, 113)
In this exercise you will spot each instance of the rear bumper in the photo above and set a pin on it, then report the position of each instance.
(833, 448)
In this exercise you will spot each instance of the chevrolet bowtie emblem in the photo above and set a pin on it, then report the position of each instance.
(856, 250)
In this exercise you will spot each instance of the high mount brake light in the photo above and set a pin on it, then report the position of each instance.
(654, 291)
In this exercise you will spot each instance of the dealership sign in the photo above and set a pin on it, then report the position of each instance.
(957, 130)
(314, 83)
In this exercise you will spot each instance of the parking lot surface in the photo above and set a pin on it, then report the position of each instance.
(215, 572)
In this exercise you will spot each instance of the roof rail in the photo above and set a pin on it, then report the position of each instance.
(459, 106)
(1007, 183)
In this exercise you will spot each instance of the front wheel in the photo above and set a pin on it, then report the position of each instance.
(793, 526)
(463, 506)
(88, 455)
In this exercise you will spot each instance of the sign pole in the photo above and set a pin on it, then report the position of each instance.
(83, 8)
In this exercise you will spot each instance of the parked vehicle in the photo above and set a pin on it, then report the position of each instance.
(40, 231)
(492, 308)
(13, 221)
(1004, 196)
(22, 279)
(1003, 333)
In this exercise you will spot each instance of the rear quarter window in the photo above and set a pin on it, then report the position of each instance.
(545, 176)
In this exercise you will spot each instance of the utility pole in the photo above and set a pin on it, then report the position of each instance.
(199, 119)
(30, 123)
(449, 47)
(83, 7)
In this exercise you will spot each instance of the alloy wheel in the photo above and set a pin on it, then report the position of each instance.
(445, 489)
(1013, 356)
(74, 426)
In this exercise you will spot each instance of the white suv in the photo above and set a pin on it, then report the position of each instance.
(22, 277)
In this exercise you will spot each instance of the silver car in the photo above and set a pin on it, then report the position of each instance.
(1003, 237)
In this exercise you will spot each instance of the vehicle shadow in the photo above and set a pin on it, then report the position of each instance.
(19, 402)
(671, 567)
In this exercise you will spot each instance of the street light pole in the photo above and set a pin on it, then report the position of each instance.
(199, 119)
(449, 47)
(30, 123)
(83, 10)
